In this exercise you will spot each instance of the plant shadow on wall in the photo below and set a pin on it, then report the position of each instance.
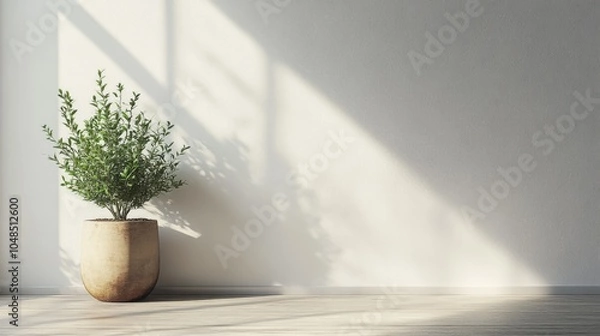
(69, 269)
(225, 227)
(230, 224)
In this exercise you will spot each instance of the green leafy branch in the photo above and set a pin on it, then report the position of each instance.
(119, 159)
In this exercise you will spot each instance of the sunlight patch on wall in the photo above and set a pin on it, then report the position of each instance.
(388, 224)
(87, 41)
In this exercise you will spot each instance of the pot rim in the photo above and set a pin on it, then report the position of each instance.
(129, 220)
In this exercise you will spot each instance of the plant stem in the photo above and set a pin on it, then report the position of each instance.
(112, 211)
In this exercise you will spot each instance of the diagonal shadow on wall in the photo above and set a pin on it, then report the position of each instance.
(474, 109)
(203, 213)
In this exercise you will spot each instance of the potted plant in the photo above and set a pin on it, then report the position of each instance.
(117, 159)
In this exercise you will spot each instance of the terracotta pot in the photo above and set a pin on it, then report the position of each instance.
(120, 260)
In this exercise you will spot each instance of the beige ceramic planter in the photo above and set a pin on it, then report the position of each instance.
(120, 259)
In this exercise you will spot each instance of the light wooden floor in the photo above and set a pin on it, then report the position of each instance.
(308, 315)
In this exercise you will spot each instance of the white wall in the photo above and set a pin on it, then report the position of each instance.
(258, 90)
